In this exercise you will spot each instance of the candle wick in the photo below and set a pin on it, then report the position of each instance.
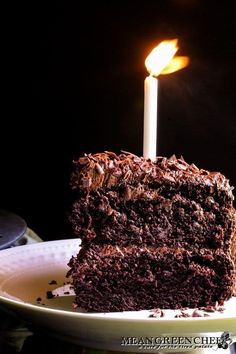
(151, 74)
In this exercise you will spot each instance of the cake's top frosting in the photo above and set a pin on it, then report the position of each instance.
(107, 169)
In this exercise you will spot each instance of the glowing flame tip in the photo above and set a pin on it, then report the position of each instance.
(161, 59)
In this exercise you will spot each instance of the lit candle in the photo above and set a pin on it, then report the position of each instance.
(159, 61)
(150, 117)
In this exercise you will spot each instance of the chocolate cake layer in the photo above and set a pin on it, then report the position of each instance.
(166, 202)
(154, 234)
(112, 278)
(176, 221)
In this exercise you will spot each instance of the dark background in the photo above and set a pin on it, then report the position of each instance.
(74, 84)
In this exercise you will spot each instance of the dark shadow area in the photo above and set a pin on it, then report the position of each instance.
(74, 84)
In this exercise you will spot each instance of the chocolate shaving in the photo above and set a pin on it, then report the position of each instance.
(217, 307)
(173, 158)
(109, 163)
(157, 313)
(99, 169)
(182, 314)
(197, 313)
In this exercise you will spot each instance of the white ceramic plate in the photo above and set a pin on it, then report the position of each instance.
(25, 274)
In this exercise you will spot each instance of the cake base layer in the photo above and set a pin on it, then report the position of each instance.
(111, 278)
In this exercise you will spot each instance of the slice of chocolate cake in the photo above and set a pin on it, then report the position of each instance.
(154, 234)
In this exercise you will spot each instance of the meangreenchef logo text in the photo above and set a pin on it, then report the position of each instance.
(188, 342)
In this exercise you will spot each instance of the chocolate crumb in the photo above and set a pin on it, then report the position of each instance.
(182, 314)
(50, 295)
(207, 309)
(157, 313)
(66, 292)
(220, 303)
(197, 313)
(221, 309)
(52, 282)
(216, 307)
(39, 299)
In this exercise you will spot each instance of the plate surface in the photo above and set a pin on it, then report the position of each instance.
(28, 272)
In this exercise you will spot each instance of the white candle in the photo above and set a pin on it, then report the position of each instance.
(159, 61)
(150, 117)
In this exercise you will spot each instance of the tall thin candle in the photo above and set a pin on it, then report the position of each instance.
(158, 62)
(150, 117)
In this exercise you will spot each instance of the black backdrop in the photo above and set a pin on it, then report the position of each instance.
(74, 83)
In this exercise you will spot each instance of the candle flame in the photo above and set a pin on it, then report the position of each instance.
(161, 60)
(175, 64)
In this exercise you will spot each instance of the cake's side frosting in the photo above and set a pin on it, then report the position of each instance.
(128, 201)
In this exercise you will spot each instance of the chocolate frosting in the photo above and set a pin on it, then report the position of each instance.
(108, 169)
